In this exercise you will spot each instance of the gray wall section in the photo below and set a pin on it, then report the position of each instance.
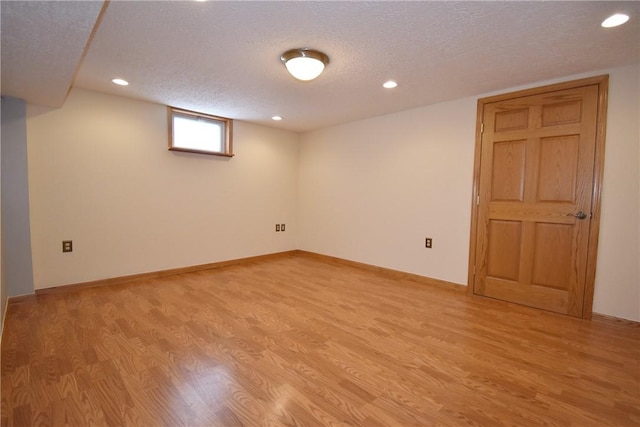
(17, 268)
(3, 282)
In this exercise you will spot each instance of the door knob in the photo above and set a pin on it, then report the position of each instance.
(579, 215)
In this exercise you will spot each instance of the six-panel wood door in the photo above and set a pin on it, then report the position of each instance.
(534, 198)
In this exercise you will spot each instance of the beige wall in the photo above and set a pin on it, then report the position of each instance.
(617, 290)
(372, 190)
(369, 191)
(100, 174)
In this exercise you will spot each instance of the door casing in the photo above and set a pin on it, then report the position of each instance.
(602, 82)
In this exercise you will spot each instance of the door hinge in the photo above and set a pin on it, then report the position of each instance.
(481, 127)
(478, 200)
(474, 270)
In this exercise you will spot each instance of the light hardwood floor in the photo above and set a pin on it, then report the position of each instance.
(304, 342)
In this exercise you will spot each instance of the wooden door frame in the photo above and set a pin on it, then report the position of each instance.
(594, 229)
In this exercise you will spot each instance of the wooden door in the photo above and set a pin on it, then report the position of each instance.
(534, 204)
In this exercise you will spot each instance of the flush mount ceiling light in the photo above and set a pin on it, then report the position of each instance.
(120, 82)
(304, 64)
(615, 20)
(390, 84)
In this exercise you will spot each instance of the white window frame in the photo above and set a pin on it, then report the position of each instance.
(225, 123)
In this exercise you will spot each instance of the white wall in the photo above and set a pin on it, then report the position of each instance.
(372, 190)
(101, 175)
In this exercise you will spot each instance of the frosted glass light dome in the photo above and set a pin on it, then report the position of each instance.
(304, 64)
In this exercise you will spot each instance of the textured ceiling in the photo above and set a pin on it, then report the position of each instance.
(223, 57)
(42, 43)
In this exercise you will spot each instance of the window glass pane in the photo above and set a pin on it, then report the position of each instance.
(197, 133)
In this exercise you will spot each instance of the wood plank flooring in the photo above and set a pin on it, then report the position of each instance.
(302, 342)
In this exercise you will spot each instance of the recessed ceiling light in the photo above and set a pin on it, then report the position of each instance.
(120, 82)
(276, 118)
(389, 85)
(615, 20)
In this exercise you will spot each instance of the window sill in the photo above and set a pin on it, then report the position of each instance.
(210, 153)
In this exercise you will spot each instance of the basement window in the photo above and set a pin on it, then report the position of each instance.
(199, 133)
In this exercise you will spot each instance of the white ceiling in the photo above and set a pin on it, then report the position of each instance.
(42, 44)
(222, 57)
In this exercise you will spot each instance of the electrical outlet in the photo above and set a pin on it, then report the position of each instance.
(278, 227)
(428, 243)
(281, 227)
(67, 246)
